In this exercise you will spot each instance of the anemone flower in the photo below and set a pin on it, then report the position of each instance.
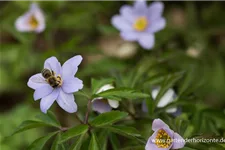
(33, 20)
(102, 105)
(163, 137)
(140, 22)
(58, 83)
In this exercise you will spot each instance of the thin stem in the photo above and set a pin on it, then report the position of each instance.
(88, 110)
(77, 117)
(128, 111)
(63, 129)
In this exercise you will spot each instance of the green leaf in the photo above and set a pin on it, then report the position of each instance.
(75, 131)
(97, 84)
(129, 132)
(108, 118)
(123, 130)
(39, 143)
(103, 139)
(78, 143)
(49, 118)
(29, 124)
(121, 93)
(114, 141)
(56, 145)
(94, 145)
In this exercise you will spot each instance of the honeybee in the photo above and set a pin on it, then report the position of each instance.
(50, 77)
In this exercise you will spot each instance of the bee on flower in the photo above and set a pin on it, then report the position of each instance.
(140, 22)
(57, 83)
(31, 21)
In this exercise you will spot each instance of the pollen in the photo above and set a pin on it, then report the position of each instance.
(33, 22)
(163, 140)
(140, 24)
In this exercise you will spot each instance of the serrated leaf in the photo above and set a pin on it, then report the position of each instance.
(94, 145)
(49, 118)
(108, 118)
(78, 143)
(39, 143)
(97, 84)
(73, 132)
(29, 124)
(122, 93)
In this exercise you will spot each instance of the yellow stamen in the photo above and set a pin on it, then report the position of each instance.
(162, 139)
(140, 24)
(33, 22)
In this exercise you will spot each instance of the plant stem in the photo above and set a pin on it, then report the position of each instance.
(128, 111)
(77, 117)
(88, 110)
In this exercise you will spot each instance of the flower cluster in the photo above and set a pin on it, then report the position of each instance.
(58, 83)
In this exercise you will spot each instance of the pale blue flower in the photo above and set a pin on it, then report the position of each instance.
(140, 22)
(166, 99)
(67, 84)
(33, 20)
(163, 137)
(102, 105)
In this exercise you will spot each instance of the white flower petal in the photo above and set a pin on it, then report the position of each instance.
(129, 35)
(167, 98)
(53, 64)
(180, 142)
(105, 88)
(147, 41)
(72, 84)
(157, 25)
(113, 103)
(47, 101)
(42, 91)
(127, 13)
(121, 23)
(100, 105)
(171, 110)
(155, 11)
(66, 102)
(159, 124)
(140, 7)
(36, 81)
(22, 24)
(70, 67)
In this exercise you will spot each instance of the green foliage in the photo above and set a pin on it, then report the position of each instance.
(29, 124)
(122, 93)
(108, 118)
(73, 132)
(94, 145)
(40, 142)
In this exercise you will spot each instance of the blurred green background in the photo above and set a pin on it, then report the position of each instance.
(193, 41)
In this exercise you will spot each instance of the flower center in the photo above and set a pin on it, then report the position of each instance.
(140, 24)
(33, 22)
(163, 140)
